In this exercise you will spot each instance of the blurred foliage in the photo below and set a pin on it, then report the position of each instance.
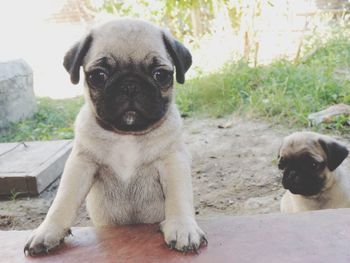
(283, 92)
(191, 18)
(53, 120)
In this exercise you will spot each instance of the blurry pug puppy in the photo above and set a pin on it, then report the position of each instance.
(129, 159)
(312, 173)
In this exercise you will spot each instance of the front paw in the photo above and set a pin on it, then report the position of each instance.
(183, 234)
(45, 238)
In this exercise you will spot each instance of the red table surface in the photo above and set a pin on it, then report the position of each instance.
(321, 236)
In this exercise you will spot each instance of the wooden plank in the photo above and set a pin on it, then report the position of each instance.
(29, 168)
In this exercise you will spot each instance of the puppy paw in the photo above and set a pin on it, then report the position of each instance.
(183, 234)
(44, 239)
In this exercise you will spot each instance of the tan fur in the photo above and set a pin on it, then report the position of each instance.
(336, 192)
(127, 179)
(136, 39)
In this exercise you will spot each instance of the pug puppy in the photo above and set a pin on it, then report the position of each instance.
(129, 159)
(312, 173)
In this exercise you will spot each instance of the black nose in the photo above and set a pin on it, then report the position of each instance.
(293, 177)
(291, 174)
(130, 88)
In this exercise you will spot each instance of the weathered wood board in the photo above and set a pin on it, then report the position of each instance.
(28, 168)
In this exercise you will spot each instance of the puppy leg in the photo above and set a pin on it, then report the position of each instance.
(76, 181)
(180, 228)
(287, 203)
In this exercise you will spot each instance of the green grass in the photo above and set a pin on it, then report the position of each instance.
(53, 120)
(283, 92)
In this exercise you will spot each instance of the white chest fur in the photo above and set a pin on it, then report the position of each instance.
(123, 157)
(125, 153)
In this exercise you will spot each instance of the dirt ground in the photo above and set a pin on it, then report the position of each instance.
(234, 173)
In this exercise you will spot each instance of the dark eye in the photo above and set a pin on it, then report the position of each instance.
(315, 165)
(97, 78)
(162, 76)
(282, 163)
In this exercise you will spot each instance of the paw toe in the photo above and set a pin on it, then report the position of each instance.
(43, 242)
(172, 244)
(204, 241)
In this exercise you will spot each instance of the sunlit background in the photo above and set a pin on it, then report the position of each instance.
(216, 31)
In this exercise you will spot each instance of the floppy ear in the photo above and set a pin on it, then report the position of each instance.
(279, 164)
(181, 56)
(335, 151)
(279, 148)
(74, 58)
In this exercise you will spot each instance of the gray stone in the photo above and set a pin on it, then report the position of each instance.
(28, 168)
(17, 100)
(328, 115)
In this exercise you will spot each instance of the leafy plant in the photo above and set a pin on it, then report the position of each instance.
(14, 194)
(283, 91)
(53, 120)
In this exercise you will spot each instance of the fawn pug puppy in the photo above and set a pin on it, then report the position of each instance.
(312, 173)
(129, 159)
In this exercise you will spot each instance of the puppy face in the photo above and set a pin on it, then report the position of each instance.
(128, 66)
(307, 160)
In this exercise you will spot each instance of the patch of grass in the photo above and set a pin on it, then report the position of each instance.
(14, 195)
(283, 92)
(53, 120)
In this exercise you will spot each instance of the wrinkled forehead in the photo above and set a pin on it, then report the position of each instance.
(128, 42)
(298, 146)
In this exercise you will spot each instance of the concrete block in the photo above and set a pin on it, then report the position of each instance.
(17, 100)
(28, 168)
(312, 237)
